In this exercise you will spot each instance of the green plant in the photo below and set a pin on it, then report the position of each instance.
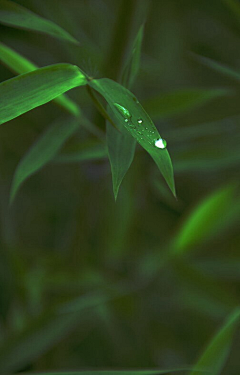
(139, 282)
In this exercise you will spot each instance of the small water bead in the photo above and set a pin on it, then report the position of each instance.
(140, 121)
(160, 143)
(123, 111)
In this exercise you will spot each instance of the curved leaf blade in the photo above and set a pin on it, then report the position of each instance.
(141, 128)
(20, 65)
(27, 91)
(121, 150)
(180, 101)
(43, 151)
(218, 67)
(14, 15)
(214, 357)
(132, 66)
(82, 152)
(205, 219)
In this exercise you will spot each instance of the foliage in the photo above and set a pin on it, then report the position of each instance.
(144, 283)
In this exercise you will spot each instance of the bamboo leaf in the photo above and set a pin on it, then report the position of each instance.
(82, 152)
(121, 150)
(205, 219)
(20, 65)
(15, 15)
(218, 67)
(43, 151)
(216, 353)
(180, 101)
(133, 62)
(27, 91)
(130, 116)
(45, 331)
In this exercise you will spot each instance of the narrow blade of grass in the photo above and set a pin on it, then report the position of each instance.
(44, 332)
(133, 62)
(218, 67)
(14, 15)
(206, 219)
(180, 101)
(30, 90)
(82, 152)
(20, 65)
(139, 124)
(43, 151)
(216, 353)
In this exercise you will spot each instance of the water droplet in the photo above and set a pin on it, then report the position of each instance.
(140, 121)
(160, 143)
(123, 111)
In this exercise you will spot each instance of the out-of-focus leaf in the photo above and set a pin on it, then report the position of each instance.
(43, 151)
(234, 6)
(82, 152)
(216, 353)
(14, 15)
(132, 66)
(180, 101)
(218, 67)
(44, 332)
(30, 90)
(138, 123)
(20, 65)
(207, 218)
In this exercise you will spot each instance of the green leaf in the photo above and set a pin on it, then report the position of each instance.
(216, 353)
(218, 67)
(14, 15)
(45, 331)
(234, 6)
(20, 65)
(43, 151)
(82, 152)
(27, 91)
(121, 150)
(138, 123)
(132, 66)
(179, 101)
(207, 218)
(121, 146)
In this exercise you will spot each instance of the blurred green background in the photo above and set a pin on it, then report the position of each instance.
(144, 282)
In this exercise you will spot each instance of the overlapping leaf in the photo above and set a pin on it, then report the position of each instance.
(207, 217)
(43, 151)
(27, 91)
(20, 65)
(180, 101)
(15, 15)
(215, 355)
(140, 126)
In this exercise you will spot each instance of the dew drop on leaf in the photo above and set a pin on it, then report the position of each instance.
(140, 121)
(123, 111)
(160, 143)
